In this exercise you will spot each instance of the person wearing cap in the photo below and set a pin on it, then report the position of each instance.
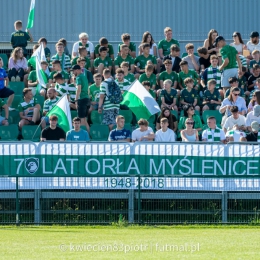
(83, 41)
(82, 101)
(253, 116)
(254, 135)
(253, 44)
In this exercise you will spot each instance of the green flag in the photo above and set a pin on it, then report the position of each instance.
(31, 15)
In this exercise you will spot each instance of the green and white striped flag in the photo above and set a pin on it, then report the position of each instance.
(31, 15)
(140, 101)
(36, 58)
(62, 111)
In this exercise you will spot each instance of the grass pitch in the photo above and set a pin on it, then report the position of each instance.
(133, 242)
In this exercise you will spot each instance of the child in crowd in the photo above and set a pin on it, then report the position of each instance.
(149, 76)
(169, 95)
(211, 99)
(128, 75)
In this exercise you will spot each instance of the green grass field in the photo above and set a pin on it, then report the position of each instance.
(133, 242)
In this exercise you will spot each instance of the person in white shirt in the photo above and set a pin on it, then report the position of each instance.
(213, 133)
(143, 133)
(235, 119)
(165, 134)
(253, 116)
(253, 44)
(236, 135)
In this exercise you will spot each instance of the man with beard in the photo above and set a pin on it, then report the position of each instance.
(253, 44)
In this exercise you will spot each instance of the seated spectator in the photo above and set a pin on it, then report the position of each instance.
(172, 120)
(5, 92)
(189, 134)
(165, 134)
(174, 57)
(234, 119)
(255, 60)
(128, 75)
(238, 43)
(104, 42)
(31, 62)
(82, 63)
(33, 80)
(82, 54)
(17, 65)
(211, 98)
(62, 57)
(56, 67)
(209, 42)
(48, 105)
(189, 96)
(4, 120)
(148, 38)
(233, 100)
(168, 95)
(124, 57)
(252, 103)
(149, 76)
(257, 88)
(236, 134)
(213, 133)
(131, 45)
(53, 132)
(120, 80)
(186, 73)
(120, 133)
(94, 92)
(233, 82)
(83, 41)
(193, 60)
(141, 60)
(29, 109)
(252, 78)
(189, 112)
(204, 59)
(77, 134)
(253, 44)
(143, 133)
(61, 86)
(168, 74)
(147, 86)
(253, 116)
(103, 61)
(254, 135)
(46, 49)
(242, 80)
(64, 41)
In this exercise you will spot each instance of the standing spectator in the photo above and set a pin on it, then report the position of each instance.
(82, 63)
(19, 38)
(61, 56)
(253, 44)
(17, 65)
(186, 73)
(253, 116)
(94, 92)
(83, 41)
(174, 57)
(103, 61)
(209, 42)
(238, 43)
(213, 133)
(164, 45)
(168, 74)
(165, 134)
(110, 110)
(193, 61)
(131, 45)
(255, 60)
(104, 42)
(229, 66)
(120, 133)
(148, 38)
(77, 134)
(172, 120)
(53, 132)
(211, 98)
(143, 133)
(124, 57)
(169, 95)
(204, 59)
(189, 134)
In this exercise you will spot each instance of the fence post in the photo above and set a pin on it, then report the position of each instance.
(139, 200)
(37, 207)
(17, 201)
(131, 204)
(224, 202)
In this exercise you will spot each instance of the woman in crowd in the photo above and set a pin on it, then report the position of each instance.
(17, 65)
(166, 112)
(189, 112)
(189, 134)
(148, 38)
(238, 43)
(208, 43)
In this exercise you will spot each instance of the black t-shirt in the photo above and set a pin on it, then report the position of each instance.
(174, 119)
(53, 134)
(252, 137)
(205, 62)
(251, 80)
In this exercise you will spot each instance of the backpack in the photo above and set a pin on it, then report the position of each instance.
(114, 92)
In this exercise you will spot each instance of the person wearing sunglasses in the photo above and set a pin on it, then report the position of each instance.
(189, 134)
(238, 43)
(234, 83)
(233, 100)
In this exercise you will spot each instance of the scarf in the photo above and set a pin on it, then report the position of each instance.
(57, 57)
(211, 76)
(216, 135)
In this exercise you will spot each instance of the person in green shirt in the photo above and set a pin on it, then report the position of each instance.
(94, 90)
(82, 54)
(47, 51)
(82, 99)
(126, 40)
(20, 38)
(128, 76)
(82, 63)
(211, 99)
(230, 60)
(141, 60)
(103, 61)
(56, 65)
(125, 57)
(120, 80)
(31, 62)
(189, 95)
(168, 95)
(186, 73)
(104, 42)
(61, 86)
(147, 86)
(168, 74)
(148, 75)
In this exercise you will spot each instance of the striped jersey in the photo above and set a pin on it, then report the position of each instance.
(123, 85)
(24, 105)
(61, 89)
(49, 104)
(72, 92)
(65, 60)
